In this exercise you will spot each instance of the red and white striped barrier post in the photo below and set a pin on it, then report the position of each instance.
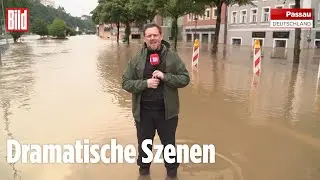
(317, 98)
(319, 71)
(253, 95)
(195, 62)
(257, 58)
(318, 79)
(195, 54)
(256, 64)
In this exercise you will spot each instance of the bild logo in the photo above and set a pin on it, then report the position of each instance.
(17, 19)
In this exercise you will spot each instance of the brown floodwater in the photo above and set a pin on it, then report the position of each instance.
(57, 92)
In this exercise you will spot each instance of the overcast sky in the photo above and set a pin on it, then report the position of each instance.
(77, 7)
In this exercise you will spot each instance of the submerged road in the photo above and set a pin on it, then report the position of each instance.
(57, 92)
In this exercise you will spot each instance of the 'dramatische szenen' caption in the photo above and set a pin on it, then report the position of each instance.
(95, 153)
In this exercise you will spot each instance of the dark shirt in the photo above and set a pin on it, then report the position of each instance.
(152, 99)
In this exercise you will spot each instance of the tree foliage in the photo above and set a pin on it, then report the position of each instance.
(141, 11)
(70, 31)
(178, 8)
(114, 12)
(50, 13)
(219, 4)
(39, 27)
(58, 28)
(145, 10)
(97, 14)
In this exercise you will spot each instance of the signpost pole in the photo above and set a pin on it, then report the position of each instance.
(4, 21)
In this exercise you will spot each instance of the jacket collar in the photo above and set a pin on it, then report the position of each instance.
(143, 56)
(165, 46)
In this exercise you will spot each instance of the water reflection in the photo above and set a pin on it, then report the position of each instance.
(3, 48)
(17, 74)
(5, 104)
(110, 64)
(16, 82)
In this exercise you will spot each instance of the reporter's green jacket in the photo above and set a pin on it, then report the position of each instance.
(175, 76)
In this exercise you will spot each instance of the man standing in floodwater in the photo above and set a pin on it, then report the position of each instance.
(153, 76)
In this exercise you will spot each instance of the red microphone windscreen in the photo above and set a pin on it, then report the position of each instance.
(154, 59)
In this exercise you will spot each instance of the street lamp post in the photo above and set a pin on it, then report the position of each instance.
(195, 29)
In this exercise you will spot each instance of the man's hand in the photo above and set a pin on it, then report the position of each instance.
(153, 83)
(158, 74)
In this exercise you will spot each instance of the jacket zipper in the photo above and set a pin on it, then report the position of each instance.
(165, 102)
(163, 56)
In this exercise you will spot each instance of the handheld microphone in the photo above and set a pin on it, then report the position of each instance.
(154, 59)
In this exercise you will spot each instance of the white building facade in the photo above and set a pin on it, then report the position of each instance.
(48, 2)
(248, 23)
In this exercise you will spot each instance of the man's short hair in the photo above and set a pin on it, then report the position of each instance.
(151, 25)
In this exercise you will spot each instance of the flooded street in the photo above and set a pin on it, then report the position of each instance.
(57, 92)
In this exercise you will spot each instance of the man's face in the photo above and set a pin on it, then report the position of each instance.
(153, 38)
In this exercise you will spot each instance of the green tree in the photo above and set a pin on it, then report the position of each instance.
(127, 18)
(107, 12)
(39, 27)
(97, 13)
(178, 8)
(16, 36)
(218, 4)
(48, 14)
(58, 28)
(145, 10)
(114, 11)
(142, 11)
(111, 13)
(70, 31)
(125, 12)
(118, 11)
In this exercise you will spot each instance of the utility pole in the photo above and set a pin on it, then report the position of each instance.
(195, 18)
(3, 27)
(4, 20)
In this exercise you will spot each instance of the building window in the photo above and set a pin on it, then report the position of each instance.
(265, 14)
(279, 6)
(207, 14)
(291, 6)
(243, 16)
(234, 17)
(319, 12)
(214, 13)
(236, 41)
(254, 15)
(190, 17)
